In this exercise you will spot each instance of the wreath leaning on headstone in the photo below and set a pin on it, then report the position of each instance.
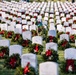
(9, 34)
(25, 43)
(50, 55)
(51, 39)
(4, 52)
(68, 66)
(63, 44)
(12, 61)
(16, 37)
(35, 48)
(27, 70)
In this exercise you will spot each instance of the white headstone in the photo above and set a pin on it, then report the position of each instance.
(70, 53)
(64, 36)
(11, 28)
(52, 33)
(73, 31)
(74, 26)
(5, 43)
(4, 27)
(13, 49)
(33, 27)
(60, 28)
(48, 68)
(31, 58)
(51, 45)
(37, 40)
(68, 29)
(27, 35)
(24, 22)
(18, 29)
(45, 23)
(52, 26)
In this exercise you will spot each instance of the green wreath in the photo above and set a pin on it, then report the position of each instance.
(51, 39)
(9, 34)
(63, 44)
(25, 43)
(4, 52)
(72, 38)
(12, 62)
(50, 55)
(3, 32)
(16, 37)
(29, 71)
(63, 68)
(35, 48)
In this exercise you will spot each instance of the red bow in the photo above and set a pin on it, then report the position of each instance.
(1, 54)
(12, 62)
(64, 43)
(51, 38)
(26, 69)
(48, 53)
(36, 48)
(69, 62)
(72, 37)
(68, 33)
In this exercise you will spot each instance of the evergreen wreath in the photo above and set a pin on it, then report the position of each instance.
(16, 37)
(25, 43)
(50, 55)
(9, 34)
(63, 44)
(51, 39)
(4, 52)
(35, 48)
(27, 70)
(12, 61)
(68, 66)
(3, 32)
(72, 38)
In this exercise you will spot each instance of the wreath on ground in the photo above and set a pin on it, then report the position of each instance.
(51, 39)
(27, 70)
(68, 66)
(34, 33)
(9, 34)
(12, 62)
(16, 37)
(3, 32)
(63, 44)
(4, 52)
(72, 38)
(25, 43)
(35, 48)
(50, 55)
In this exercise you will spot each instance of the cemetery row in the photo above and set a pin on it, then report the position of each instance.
(29, 24)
